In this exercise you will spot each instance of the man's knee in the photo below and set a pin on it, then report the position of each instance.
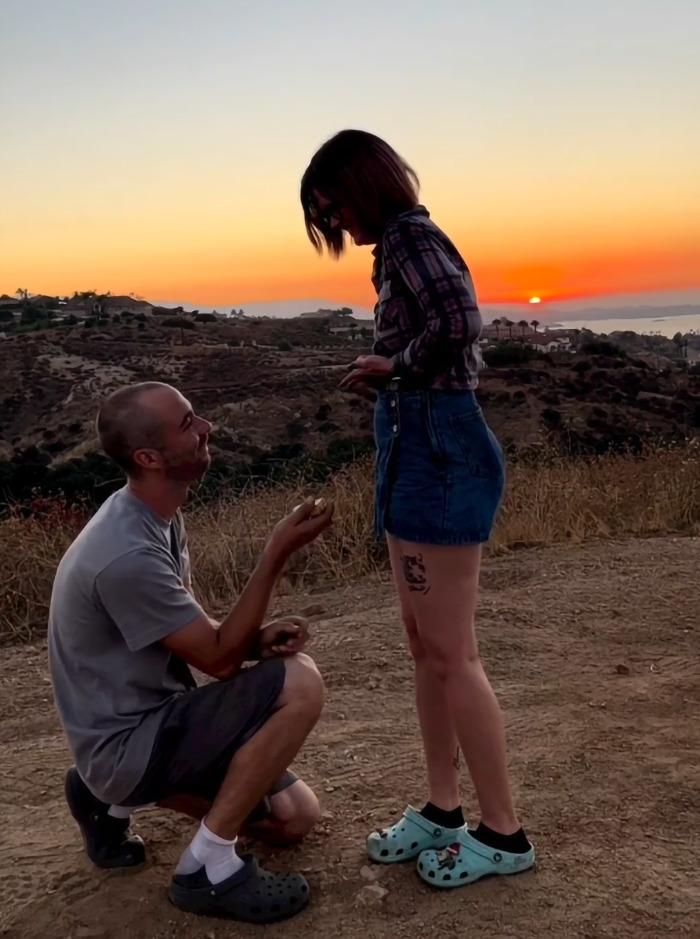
(296, 809)
(303, 684)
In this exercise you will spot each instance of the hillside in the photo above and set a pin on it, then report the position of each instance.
(268, 384)
(592, 651)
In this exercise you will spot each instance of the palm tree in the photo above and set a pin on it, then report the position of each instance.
(508, 325)
(497, 326)
(22, 293)
(523, 324)
(534, 324)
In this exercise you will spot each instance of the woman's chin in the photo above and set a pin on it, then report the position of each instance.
(359, 239)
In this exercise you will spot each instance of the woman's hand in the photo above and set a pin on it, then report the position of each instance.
(366, 368)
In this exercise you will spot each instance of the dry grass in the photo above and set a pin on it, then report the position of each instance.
(557, 500)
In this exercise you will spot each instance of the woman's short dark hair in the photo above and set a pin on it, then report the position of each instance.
(361, 171)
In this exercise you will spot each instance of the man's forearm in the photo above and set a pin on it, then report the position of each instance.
(238, 630)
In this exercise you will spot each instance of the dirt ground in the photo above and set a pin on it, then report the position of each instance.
(594, 653)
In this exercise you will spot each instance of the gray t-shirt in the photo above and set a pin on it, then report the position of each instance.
(122, 586)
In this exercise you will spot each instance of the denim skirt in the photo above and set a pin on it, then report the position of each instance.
(439, 469)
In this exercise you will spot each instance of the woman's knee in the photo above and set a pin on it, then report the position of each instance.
(415, 643)
(448, 658)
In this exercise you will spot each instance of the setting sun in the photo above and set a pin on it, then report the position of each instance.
(535, 300)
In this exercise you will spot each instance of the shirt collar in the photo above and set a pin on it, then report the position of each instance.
(144, 509)
(419, 211)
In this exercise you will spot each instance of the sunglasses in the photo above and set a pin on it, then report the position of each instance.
(329, 215)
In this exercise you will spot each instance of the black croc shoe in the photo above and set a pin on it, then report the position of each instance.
(109, 842)
(251, 895)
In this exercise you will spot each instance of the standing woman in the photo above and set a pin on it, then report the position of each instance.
(439, 482)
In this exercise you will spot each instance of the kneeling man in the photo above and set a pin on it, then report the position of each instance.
(124, 629)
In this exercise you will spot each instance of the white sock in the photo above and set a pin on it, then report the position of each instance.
(126, 811)
(217, 855)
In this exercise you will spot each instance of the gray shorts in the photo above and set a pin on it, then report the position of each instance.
(201, 731)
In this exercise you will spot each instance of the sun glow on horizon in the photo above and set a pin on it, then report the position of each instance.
(200, 210)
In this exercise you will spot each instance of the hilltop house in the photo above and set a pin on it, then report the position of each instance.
(342, 314)
(351, 328)
(559, 341)
(82, 307)
(114, 306)
(86, 306)
(545, 343)
(14, 306)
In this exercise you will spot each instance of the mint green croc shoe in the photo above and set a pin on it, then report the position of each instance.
(467, 860)
(405, 840)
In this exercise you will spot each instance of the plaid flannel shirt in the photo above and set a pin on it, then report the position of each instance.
(426, 319)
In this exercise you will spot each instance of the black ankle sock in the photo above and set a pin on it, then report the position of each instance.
(513, 844)
(442, 817)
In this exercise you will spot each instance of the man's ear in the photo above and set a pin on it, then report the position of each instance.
(148, 459)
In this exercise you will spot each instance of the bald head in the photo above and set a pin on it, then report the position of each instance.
(130, 419)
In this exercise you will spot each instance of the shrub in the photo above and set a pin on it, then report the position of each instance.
(551, 417)
(549, 499)
(176, 322)
(507, 353)
(602, 347)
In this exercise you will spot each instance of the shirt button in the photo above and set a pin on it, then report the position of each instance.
(393, 403)
(395, 428)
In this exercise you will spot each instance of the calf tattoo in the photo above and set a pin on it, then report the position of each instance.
(414, 573)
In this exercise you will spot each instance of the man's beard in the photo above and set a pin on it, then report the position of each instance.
(187, 469)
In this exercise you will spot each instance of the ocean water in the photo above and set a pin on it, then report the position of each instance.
(663, 326)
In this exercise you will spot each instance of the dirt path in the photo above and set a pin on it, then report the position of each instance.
(595, 654)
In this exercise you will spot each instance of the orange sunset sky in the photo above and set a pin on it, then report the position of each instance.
(156, 147)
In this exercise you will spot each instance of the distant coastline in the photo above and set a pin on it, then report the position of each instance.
(666, 320)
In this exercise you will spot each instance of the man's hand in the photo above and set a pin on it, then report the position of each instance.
(366, 368)
(298, 529)
(282, 637)
(220, 652)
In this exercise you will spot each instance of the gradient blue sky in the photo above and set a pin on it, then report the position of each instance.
(157, 145)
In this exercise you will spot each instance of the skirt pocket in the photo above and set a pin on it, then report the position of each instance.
(473, 440)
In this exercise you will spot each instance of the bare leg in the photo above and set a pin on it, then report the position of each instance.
(436, 724)
(192, 806)
(294, 814)
(262, 760)
(211, 878)
(443, 586)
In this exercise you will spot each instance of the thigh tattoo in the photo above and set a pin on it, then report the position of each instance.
(414, 573)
